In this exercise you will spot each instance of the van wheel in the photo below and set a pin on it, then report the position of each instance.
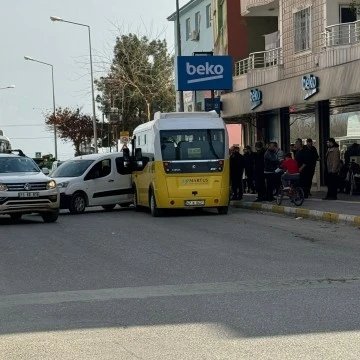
(108, 207)
(77, 204)
(155, 211)
(223, 210)
(50, 217)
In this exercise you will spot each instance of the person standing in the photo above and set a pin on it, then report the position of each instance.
(249, 162)
(259, 175)
(292, 150)
(236, 173)
(271, 164)
(313, 158)
(280, 155)
(332, 169)
(302, 156)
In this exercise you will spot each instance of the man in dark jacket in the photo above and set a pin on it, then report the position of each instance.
(332, 169)
(259, 171)
(314, 157)
(249, 162)
(271, 164)
(303, 157)
(236, 172)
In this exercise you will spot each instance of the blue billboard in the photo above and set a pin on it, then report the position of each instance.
(204, 73)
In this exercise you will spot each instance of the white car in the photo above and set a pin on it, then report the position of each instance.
(94, 180)
(24, 189)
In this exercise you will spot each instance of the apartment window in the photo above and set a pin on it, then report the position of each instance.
(188, 28)
(208, 16)
(347, 14)
(197, 21)
(302, 29)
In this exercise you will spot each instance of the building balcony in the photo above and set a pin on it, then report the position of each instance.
(342, 44)
(258, 69)
(250, 6)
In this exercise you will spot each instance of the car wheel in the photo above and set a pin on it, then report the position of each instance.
(77, 204)
(50, 217)
(155, 211)
(109, 207)
(15, 217)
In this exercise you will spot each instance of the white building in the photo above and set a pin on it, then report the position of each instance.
(196, 37)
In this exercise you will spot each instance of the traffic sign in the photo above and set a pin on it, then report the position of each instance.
(124, 134)
(38, 155)
(124, 140)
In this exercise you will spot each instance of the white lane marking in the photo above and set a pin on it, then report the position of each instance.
(170, 291)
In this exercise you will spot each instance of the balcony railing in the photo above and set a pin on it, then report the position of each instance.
(246, 5)
(258, 69)
(259, 60)
(342, 34)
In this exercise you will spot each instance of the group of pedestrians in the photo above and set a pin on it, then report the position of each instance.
(257, 172)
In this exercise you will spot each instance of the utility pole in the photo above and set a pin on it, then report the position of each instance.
(178, 40)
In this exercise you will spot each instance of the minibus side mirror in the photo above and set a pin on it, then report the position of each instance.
(138, 154)
(126, 155)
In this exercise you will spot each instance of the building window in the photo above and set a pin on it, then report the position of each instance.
(197, 22)
(188, 28)
(347, 14)
(208, 16)
(302, 29)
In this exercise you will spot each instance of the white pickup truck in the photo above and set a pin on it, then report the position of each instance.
(24, 189)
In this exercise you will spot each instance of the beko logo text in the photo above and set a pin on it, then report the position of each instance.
(207, 72)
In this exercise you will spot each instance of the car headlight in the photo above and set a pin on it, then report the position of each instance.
(63, 184)
(3, 187)
(51, 185)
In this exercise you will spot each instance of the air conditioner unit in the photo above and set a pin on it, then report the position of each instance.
(194, 36)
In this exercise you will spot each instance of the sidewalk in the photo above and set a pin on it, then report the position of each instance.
(345, 210)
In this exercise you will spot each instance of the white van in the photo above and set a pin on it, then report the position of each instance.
(94, 180)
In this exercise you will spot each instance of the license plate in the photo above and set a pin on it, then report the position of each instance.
(29, 195)
(194, 202)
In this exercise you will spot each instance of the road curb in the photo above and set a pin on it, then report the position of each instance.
(330, 217)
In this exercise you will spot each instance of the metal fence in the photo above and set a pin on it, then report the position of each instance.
(342, 34)
(259, 60)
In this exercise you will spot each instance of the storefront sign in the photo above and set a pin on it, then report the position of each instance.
(310, 84)
(204, 73)
(213, 104)
(256, 98)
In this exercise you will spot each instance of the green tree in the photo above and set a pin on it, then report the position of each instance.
(139, 82)
(72, 125)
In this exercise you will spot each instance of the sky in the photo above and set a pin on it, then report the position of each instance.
(26, 29)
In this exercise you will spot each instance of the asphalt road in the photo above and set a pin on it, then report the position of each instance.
(123, 285)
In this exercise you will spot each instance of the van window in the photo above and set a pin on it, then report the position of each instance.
(99, 170)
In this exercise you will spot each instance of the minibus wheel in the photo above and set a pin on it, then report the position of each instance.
(155, 211)
(135, 201)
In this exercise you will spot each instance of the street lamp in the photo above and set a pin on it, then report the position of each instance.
(7, 87)
(178, 40)
(56, 18)
(53, 90)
